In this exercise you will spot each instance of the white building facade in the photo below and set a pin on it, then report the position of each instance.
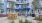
(18, 4)
(3, 5)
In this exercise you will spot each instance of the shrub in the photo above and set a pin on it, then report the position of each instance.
(30, 14)
(20, 21)
(12, 21)
(26, 21)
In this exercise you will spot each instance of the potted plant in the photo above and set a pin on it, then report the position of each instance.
(20, 21)
(26, 21)
(30, 14)
(12, 21)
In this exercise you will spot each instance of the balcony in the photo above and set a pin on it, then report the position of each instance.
(21, 2)
(10, 4)
(11, 0)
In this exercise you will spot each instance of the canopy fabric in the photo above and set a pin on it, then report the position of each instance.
(19, 9)
(26, 8)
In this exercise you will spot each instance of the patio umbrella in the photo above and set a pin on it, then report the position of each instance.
(27, 9)
(19, 9)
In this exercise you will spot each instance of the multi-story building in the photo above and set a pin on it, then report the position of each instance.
(17, 4)
(40, 1)
(21, 3)
(3, 6)
(10, 5)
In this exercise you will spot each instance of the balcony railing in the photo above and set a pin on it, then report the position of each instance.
(22, 2)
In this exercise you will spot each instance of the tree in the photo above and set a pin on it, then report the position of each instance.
(24, 5)
(35, 4)
(11, 5)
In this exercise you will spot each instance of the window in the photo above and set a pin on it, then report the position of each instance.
(23, 6)
(1, 6)
(17, 5)
(2, 10)
(17, 0)
(9, 5)
(21, 1)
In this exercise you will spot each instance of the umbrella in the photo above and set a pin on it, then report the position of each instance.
(18, 9)
(27, 9)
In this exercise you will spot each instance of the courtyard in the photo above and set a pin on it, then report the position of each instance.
(29, 18)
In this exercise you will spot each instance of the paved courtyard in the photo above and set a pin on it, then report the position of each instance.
(29, 18)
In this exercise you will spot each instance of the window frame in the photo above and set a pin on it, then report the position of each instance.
(2, 10)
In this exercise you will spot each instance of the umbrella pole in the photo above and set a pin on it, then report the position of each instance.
(26, 14)
(20, 12)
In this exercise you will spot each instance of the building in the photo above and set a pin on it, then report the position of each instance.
(10, 5)
(3, 5)
(17, 4)
(21, 3)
